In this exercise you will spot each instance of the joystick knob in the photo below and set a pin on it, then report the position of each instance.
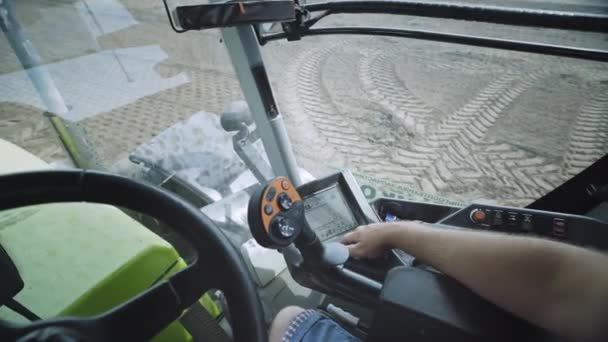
(280, 227)
(276, 214)
(276, 221)
(285, 201)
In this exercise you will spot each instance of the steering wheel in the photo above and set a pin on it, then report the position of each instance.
(145, 315)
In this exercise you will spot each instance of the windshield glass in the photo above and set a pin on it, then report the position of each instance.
(107, 84)
(444, 122)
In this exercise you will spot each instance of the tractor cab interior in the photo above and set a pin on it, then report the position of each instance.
(303, 223)
(240, 231)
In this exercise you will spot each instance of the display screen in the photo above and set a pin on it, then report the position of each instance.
(328, 214)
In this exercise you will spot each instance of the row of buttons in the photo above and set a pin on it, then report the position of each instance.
(500, 219)
(284, 199)
(494, 218)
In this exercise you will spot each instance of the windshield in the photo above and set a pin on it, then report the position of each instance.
(107, 84)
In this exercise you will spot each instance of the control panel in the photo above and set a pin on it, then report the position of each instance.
(575, 229)
(332, 206)
(509, 220)
(299, 223)
(569, 228)
(335, 205)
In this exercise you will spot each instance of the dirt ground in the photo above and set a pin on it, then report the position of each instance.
(461, 122)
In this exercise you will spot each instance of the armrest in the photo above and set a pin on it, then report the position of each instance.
(419, 305)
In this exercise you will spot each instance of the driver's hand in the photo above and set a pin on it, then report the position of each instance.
(370, 241)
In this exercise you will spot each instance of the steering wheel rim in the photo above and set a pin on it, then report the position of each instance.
(137, 318)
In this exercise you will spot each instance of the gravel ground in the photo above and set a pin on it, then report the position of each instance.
(462, 122)
(471, 123)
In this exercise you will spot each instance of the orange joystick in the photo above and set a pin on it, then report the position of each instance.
(275, 214)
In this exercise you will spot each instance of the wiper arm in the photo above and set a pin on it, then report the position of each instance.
(568, 17)
(595, 19)
(498, 43)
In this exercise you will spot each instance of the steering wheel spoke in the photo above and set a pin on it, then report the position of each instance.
(144, 316)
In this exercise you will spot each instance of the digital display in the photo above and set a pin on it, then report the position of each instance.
(328, 214)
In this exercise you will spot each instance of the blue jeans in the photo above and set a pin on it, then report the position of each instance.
(311, 325)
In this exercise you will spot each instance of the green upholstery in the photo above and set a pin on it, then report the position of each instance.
(78, 258)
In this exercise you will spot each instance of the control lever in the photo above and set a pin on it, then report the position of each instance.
(276, 219)
(237, 118)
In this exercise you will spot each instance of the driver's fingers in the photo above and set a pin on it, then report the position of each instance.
(351, 237)
(354, 250)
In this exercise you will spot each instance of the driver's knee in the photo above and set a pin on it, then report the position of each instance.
(281, 322)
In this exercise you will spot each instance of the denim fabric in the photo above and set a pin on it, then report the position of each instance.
(311, 325)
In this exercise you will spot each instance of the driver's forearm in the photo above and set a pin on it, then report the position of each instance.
(556, 286)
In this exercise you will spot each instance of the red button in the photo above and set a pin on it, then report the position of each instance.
(285, 184)
(478, 216)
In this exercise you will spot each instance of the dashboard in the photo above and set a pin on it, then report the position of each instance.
(335, 205)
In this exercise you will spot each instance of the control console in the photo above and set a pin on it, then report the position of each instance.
(574, 229)
(277, 219)
(303, 223)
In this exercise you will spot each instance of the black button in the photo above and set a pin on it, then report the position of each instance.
(526, 223)
(270, 194)
(282, 228)
(498, 218)
(268, 209)
(285, 201)
(512, 219)
(559, 228)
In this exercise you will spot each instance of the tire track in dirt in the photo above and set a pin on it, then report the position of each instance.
(510, 173)
(338, 128)
(455, 163)
(430, 163)
(471, 65)
(588, 140)
(459, 132)
(433, 162)
(525, 176)
(454, 155)
(378, 128)
(522, 176)
(378, 78)
(447, 159)
(308, 96)
(519, 176)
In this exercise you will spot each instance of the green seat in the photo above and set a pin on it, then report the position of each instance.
(80, 259)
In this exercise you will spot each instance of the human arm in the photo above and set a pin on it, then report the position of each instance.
(559, 287)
